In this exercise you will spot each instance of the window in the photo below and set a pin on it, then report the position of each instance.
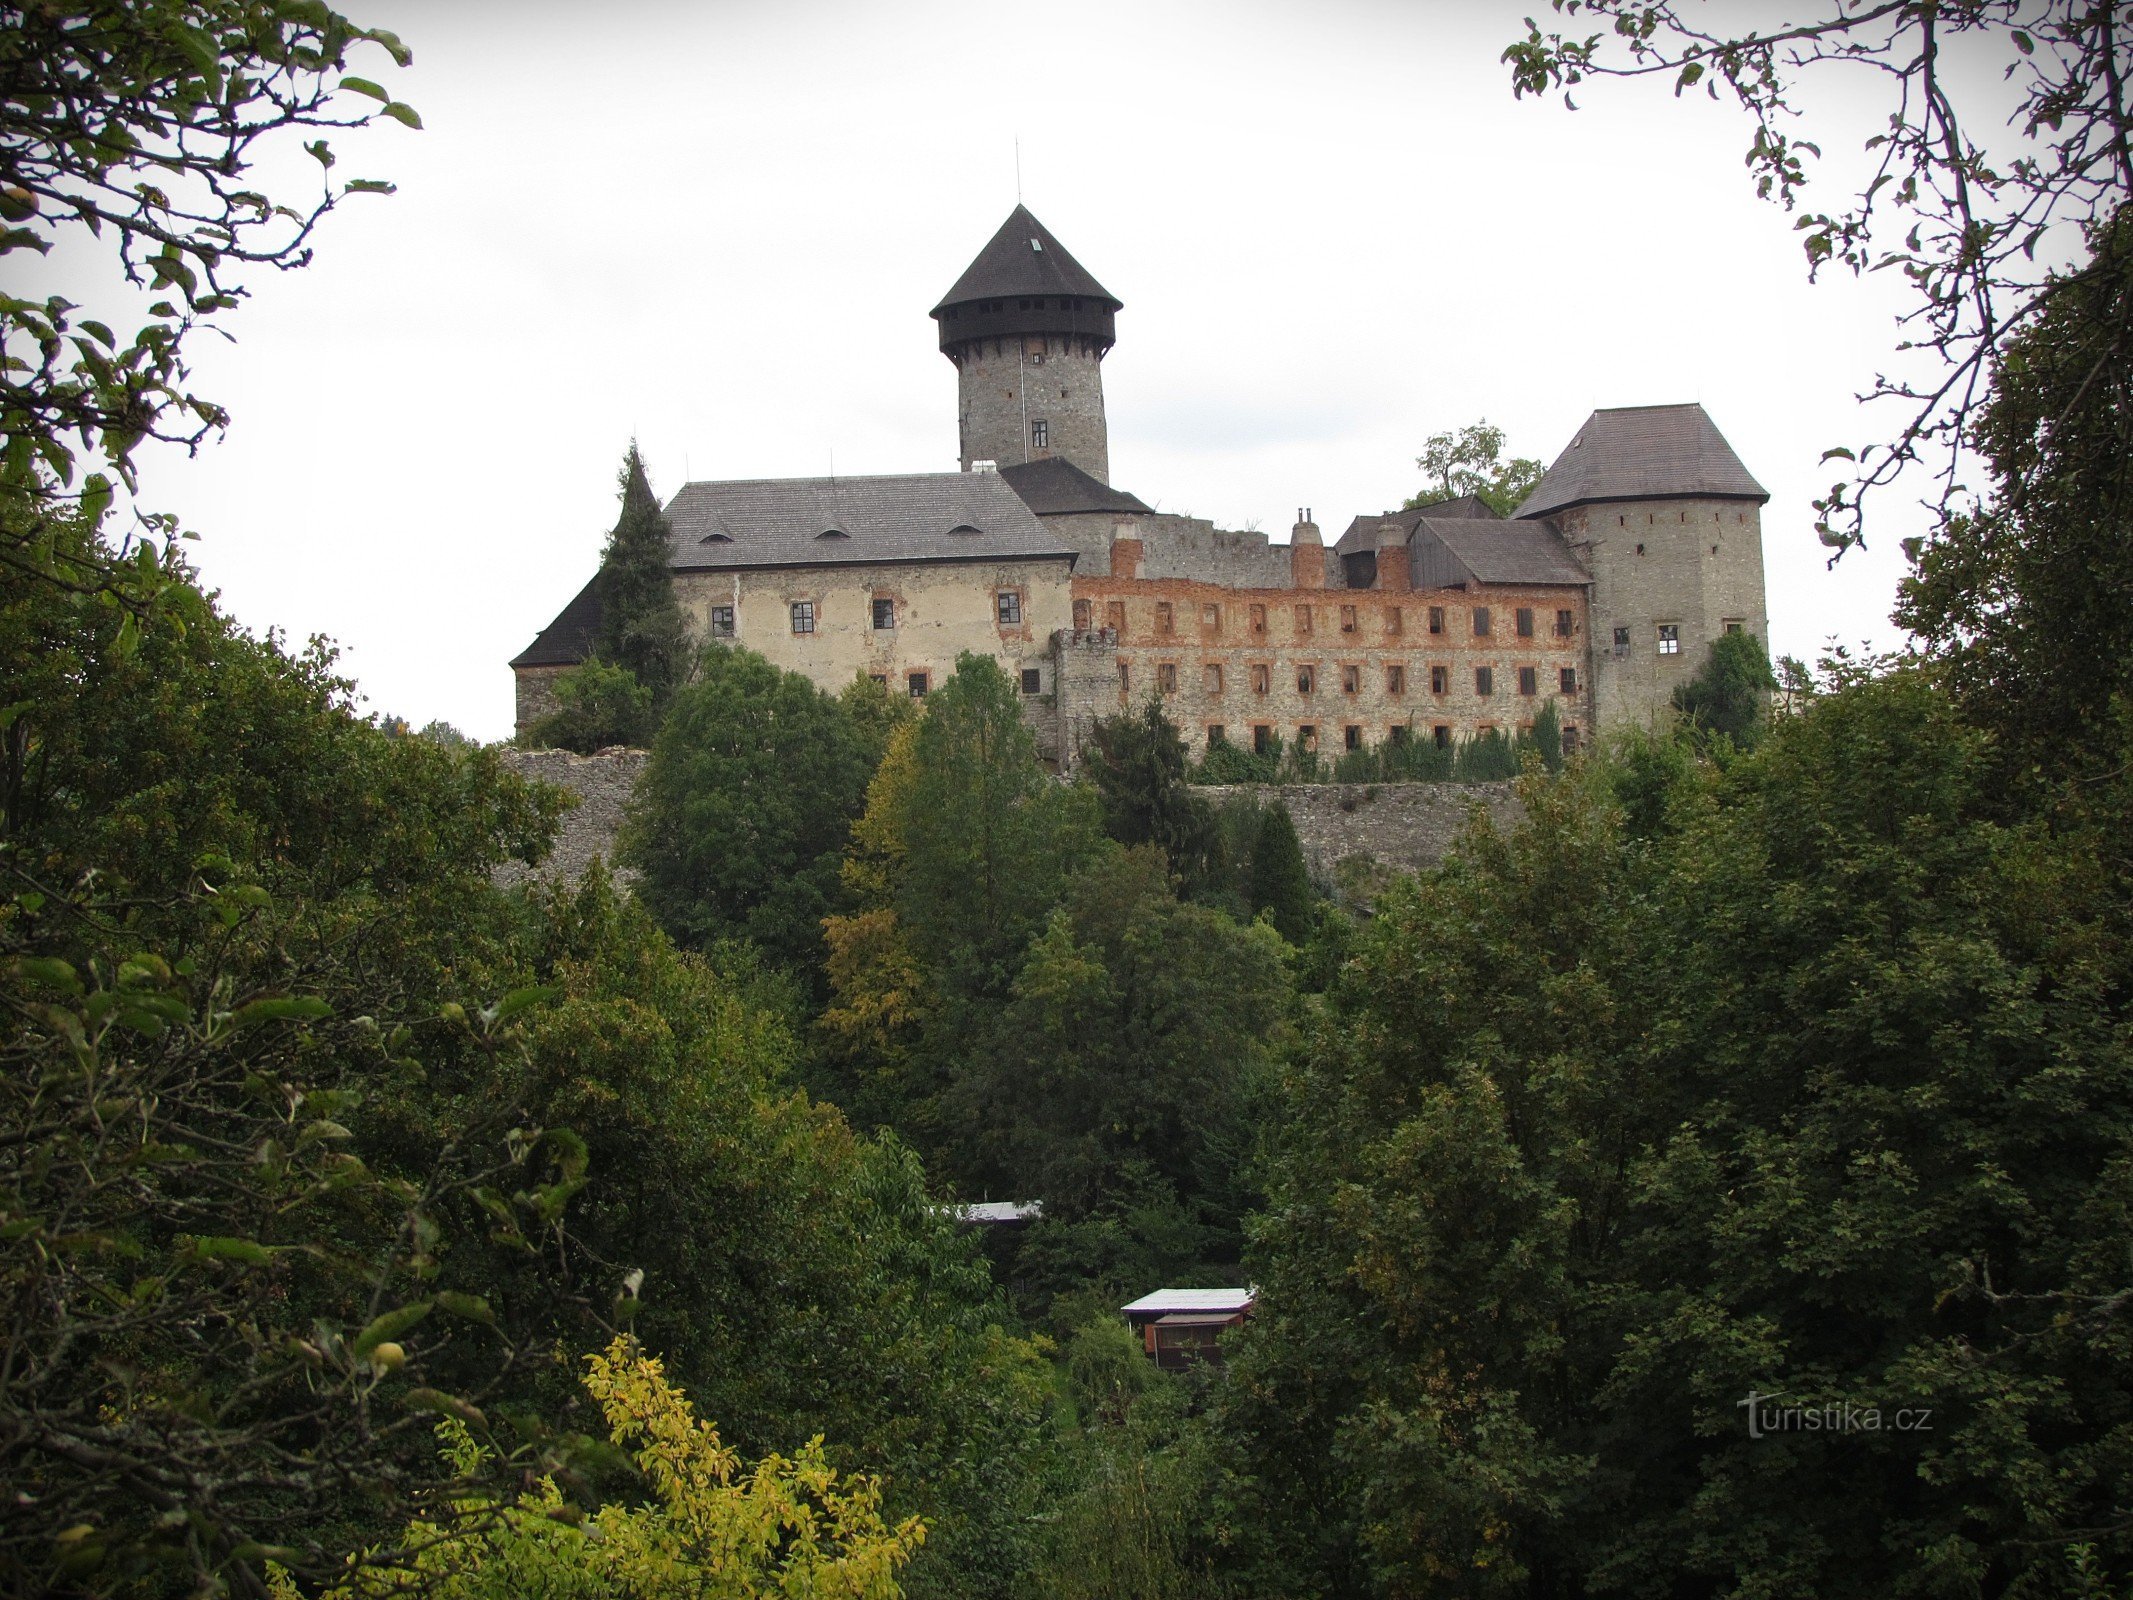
(1211, 617)
(1393, 622)
(1441, 736)
(1216, 735)
(722, 622)
(1351, 738)
(1307, 736)
(803, 616)
(1032, 680)
(881, 678)
(1564, 624)
(1303, 619)
(1523, 620)
(1529, 680)
(1436, 619)
(1669, 639)
(1211, 677)
(1115, 616)
(916, 682)
(1484, 680)
(1440, 680)
(1165, 617)
(1570, 739)
(1351, 680)
(1125, 680)
(1481, 622)
(1258, 619)
(1262, 738)
(1347, 619)
(1306, 680)
(1397, 733)
(1262, 677)
(1040, 434)
(1166, 677)
(1621, 644)
(1567, 679)
(1010, 605)
(1732, 624)
(1084, 616)
(884, 613)
(1396, 679)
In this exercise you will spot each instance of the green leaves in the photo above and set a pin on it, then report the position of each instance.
(390, 1326)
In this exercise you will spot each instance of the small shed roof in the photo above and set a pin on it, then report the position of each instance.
(1644, 453)
(1164, 1301)
(1055, 487)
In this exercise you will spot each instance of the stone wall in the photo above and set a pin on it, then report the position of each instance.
(1407, 826)
(602, 784)
(1011, 384)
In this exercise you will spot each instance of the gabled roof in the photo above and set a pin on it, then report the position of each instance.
(1164, 1301)
(1644, 453)
(568, 640)
(1363, 533)
(845, 522)
(1447, 550)
(1022, 259)
(1055, 487)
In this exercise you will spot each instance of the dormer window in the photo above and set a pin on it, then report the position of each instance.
(716, 538)
(964, 527)
(832, 533)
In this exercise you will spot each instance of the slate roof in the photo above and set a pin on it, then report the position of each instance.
(568, 640)
(1024, 259)
(814, 522)
(1363, 532)
(1055, 487)
(1644, 453)
(1498, 552)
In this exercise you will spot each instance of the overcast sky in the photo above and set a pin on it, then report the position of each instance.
(718, 227)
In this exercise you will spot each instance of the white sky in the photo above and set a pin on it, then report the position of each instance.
(719, 227)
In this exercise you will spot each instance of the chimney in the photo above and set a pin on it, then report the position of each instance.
(1307, 553)
(1126, 550)
(1395, 570)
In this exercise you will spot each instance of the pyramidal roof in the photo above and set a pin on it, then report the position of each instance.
(1024, 259)
(1644, 453)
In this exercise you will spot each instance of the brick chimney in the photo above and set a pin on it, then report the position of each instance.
(1307, 553)
(1126, 550)
(1395, 571)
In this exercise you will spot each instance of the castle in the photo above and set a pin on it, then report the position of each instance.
(1640, 546)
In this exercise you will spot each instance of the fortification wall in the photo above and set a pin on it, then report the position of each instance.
(602, 783)
(1407, 826)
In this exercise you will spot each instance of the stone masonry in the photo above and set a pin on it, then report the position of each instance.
(601, 784)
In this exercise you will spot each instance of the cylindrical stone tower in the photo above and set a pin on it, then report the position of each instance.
(1028, 329)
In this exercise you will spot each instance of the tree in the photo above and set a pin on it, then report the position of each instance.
(1281, 886)
(1560, 1190)
(1140, 774)
(782, 1527)
(1470, 462)
(1989, 238)
(2023, 600)
(641, 628)
(1730, 690)
(740, 820)
(598, 705)
(146, 124)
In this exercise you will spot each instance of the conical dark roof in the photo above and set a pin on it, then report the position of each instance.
(1024, 259)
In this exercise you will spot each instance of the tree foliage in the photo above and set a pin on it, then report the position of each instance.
(740, 820)
(1139, 768)
(598, 706)
(710, 1530)
(1728, 694)
(641, 626)
(1838, 1117)
(1470, 461)
(1979, 220)
(1281, 885)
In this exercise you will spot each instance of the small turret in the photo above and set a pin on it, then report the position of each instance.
(1028, 327)
(1307, 553)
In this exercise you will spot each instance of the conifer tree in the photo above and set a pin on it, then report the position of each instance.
(641, 626)
(1140, 773)
(1280, 883)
